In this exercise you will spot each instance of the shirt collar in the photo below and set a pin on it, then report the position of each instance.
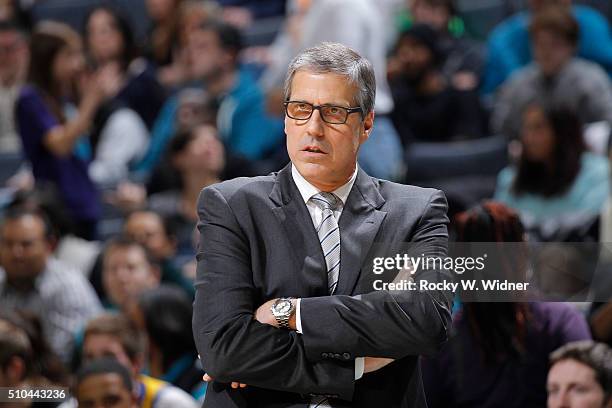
(307, 190)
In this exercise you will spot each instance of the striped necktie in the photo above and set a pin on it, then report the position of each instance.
(329, 237)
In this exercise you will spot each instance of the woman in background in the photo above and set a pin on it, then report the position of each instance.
(498, 353)
(556, 176)
(164, 34)
(109, 39)
(52, 136)
(119, 134)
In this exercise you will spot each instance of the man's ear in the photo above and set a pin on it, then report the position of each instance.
(368, 125)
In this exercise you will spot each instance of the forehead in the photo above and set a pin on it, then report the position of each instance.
(570, 370)
(121, 253)
(102, 16)
(101, 341)
(143, 219)
(99, 385)
(27, 226)
(325, 88)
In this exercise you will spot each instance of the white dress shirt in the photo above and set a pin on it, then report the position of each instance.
(307, 191)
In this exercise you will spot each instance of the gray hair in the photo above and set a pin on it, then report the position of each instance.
(339, 59)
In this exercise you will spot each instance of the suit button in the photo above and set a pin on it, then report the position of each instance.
(324, 355)
(346, 356)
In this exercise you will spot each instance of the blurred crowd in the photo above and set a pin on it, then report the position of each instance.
(108, 135)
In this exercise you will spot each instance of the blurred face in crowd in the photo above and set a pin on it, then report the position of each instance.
(24, 249)
(572, 384)
(147, 228)
(127, 273)
(551, 51)
(192, 16)
(414, 57)
(69, 62)
(204, 154)
(537, 135)
(100, 345)
(160, 10)
(105, 390)
(207, 57)
(434, 15)
(13, 57)
(325, 154)
(104, 39)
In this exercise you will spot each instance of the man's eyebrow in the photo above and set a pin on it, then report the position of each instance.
(339, 104)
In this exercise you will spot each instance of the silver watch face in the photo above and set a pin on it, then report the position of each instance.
(283, 307)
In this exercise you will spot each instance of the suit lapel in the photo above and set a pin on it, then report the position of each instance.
(295, 219)
(359, 224)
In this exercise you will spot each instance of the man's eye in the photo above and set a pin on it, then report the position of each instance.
(303, 107)
(333, 110)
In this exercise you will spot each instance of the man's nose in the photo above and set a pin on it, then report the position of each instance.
(315, 124)
(563, 401)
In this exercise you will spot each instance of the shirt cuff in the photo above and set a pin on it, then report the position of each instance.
(359, 367)
(298, 318)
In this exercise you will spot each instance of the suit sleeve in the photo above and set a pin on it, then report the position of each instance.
(232, 344)
(384, 323)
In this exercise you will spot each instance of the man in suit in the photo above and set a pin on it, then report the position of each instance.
(285, 313)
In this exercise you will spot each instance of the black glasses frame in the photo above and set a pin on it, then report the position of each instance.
(319, 107)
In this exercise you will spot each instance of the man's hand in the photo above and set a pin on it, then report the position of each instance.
(234, 384)
(264, 315)
(375, 363)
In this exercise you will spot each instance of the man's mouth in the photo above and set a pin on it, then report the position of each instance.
(313, 149)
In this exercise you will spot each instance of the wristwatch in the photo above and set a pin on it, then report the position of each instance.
(282, 310)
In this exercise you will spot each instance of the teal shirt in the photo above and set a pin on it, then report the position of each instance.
(588, 194)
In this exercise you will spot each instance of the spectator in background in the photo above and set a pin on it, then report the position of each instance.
(109, 39)
(463, 59)
(556, 176)
(113, 335)
(13, 70)
(188, 108)
(18, 364)
(199, 158)
(427, 107)
(71, 250)
(242, 121)
(16, 359)
(52, 138)
(232, 94)
(498, 354)
(580, 376)
(191, 14)
(509, 49)
(158, 235)
(164, 33)
(104, 382)
(555, 77)
(127, 271)
(119, 136)
(44, 366)
(164, 314)
(32, 280)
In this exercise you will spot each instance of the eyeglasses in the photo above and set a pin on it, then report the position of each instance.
(335, 115)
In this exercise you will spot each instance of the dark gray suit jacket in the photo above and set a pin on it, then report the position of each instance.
(258, 242)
